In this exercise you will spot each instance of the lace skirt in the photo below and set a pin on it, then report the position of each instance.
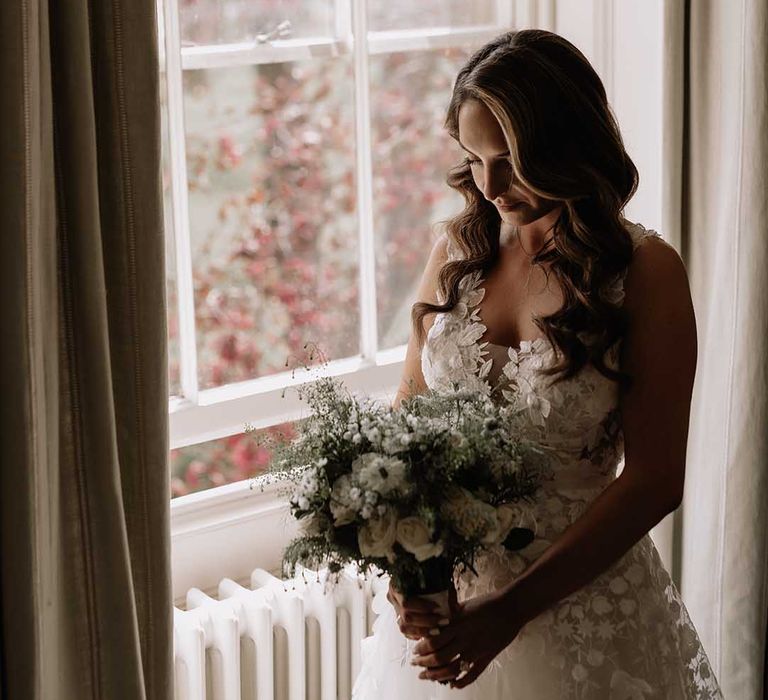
(625, 636)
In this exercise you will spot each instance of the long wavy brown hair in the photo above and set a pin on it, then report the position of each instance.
(564, 145)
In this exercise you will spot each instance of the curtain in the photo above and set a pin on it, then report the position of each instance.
(725, 244)
(85, 596)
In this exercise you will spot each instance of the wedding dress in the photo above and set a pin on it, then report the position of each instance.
(624, 636)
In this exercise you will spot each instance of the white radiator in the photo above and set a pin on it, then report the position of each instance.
(277, 640)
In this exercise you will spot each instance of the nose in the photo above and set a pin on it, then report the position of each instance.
(496, 181)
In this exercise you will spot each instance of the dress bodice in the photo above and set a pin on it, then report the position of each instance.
(576, 421)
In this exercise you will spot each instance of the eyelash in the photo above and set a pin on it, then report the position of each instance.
(472, 161)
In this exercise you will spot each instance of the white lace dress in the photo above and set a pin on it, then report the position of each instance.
(624, 636)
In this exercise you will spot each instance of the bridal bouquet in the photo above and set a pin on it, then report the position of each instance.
(414, 491)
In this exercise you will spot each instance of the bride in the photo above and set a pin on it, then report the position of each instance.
(542, 294)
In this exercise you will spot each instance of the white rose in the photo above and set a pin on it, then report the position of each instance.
(416, 538)
(470, 517)
(377, 536)
(507, 516)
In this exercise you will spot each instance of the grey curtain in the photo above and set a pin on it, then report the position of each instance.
(725, 244)
(85, 601)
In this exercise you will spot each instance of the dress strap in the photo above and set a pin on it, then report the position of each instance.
(639, 233)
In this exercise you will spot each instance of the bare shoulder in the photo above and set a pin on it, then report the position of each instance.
(437, 258)
(656, 274)
(661, 335)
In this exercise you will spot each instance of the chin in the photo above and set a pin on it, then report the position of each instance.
(523, 216)
(520, 216)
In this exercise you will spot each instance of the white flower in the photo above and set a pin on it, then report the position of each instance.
(356, 438)
(470, 517)
(381, 473)
(416, 538)
(342, 500)
(377, 536)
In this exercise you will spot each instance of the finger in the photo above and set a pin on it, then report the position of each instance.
(446, 672)
(433, 642)
(422, 605)
(419, 619)
(415, 633)
(440, 657)
(471, 676)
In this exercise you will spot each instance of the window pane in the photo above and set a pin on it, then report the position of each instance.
(386, 15)
(412, 154)
(271, 171)
(235, 21)
(224, 461)
(174, 384)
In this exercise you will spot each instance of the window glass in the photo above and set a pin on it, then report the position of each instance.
(412, 154)
(218, 462)
(405, 14)
(273, 226)
(205, 22)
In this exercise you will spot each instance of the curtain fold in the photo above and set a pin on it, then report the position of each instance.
(725, 244)
(85, 595)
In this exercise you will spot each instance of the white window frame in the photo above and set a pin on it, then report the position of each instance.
(215, 533)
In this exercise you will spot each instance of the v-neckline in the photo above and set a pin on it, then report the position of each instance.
(533, 343)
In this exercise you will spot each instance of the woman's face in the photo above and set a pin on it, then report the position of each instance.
(480, 135)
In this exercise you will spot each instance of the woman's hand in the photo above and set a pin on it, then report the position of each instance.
(478, 631)
(416, 617)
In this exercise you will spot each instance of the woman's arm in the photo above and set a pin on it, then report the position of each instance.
(659, 351)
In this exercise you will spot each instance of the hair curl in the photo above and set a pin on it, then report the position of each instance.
(564, 145)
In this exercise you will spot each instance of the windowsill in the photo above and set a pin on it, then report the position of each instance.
(227, 532)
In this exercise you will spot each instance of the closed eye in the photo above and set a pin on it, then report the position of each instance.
(472, 161)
